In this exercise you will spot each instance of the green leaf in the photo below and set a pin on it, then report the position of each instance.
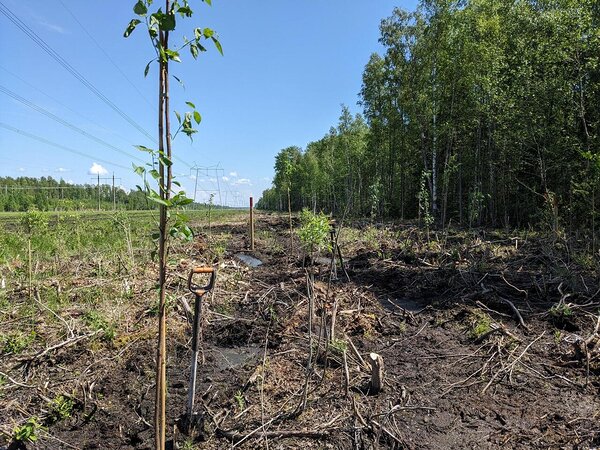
(185, 11)
(208, 2)
(178, 117)
(189, 131)
(168, 22)
(218, 45)
(139, 170)
(208, 33)
(179, 81)
(172, 54)
(140, 8)
(176, 183)
(194, 50)
(197, 117)
(191, 105)
(154, 173)
(144, 149)
(147, 68)
(197, 33)
(134, 23)
(159, 200)
(165, 161)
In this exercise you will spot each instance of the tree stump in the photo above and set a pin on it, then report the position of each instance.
(377, 373)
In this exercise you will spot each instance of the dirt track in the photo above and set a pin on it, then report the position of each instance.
(461, 371)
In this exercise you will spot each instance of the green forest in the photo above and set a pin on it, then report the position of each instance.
(48, 194)
(479, 112)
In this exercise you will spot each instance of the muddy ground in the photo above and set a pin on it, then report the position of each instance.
(489, 340)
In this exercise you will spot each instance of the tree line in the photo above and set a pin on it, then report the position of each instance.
(48, 194)
(479, 112)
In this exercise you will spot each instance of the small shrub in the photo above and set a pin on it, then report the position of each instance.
(314, 231)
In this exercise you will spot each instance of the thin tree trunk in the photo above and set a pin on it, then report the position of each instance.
(165, 187)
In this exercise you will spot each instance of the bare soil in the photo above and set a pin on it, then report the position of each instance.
(489, 340)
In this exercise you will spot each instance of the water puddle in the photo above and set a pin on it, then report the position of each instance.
(248, 260)
(230, 358)
(409, 304)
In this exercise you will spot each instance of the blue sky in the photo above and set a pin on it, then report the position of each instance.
(287, 68)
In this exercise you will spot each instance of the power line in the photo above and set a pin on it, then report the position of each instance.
(54, 117)
(54, 55)
(54, 144)
(58, 58)
(107, 55)
(47, 188)
(63, 105)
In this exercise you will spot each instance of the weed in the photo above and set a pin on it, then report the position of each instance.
(16, 342)
(28, 431)
(169, 301)
(585, 260)
(97, 322)
(481, 326)
(338, 347)
(240, 400)
(561, 311)
(273, 313)
(188, 444)
(224, 308)
(371, 238)
(557, 336)
(61, 408)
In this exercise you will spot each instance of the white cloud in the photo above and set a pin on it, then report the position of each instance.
(242, 181)
(21, 169)
(53, 27)
(62, 170)
(233, 174)
(97, 169)
(225, 179)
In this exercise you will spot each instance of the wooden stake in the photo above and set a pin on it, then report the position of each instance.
(251, 224)
(30, 266)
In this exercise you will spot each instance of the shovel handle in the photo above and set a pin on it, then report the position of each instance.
(201, 290)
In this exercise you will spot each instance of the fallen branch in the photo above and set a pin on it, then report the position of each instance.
(515, 310)
(66, 343)
(509, 368)
(355, 351)
(238, 437)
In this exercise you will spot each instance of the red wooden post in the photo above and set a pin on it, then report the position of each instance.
(251, 224)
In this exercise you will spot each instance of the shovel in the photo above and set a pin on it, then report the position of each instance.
(192, 419)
